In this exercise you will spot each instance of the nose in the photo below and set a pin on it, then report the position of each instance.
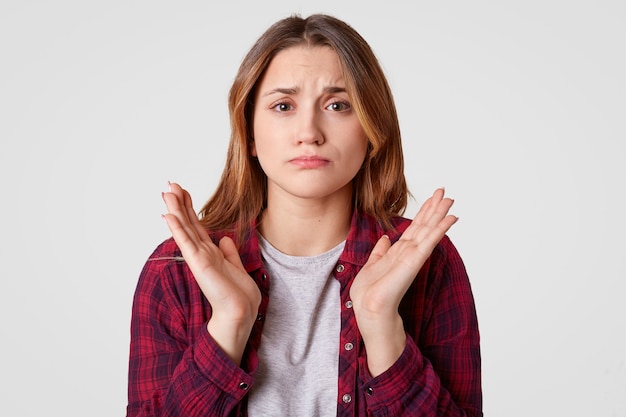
(308, 127)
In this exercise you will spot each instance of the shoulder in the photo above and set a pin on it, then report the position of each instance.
(166, 266)
(167, 248)
(164, 270)
(446, 250)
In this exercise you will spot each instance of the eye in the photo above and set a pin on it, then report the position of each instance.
(282, 107)
(338, 106)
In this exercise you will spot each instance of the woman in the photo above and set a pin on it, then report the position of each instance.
(367, 313)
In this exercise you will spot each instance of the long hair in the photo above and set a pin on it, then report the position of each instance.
(379, 187)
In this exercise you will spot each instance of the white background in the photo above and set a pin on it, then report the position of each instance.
(516, 107)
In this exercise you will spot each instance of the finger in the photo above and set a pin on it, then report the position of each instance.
(186, 243)
(229, 249)
(186, 219)
(188, 204)
(412, 255)
(439, 212)
(192, 215)
(435, 201)
(184, 198)
(175, 199)
(423, 213)
(176, 209)
(428, 237)
(186, 212)
(175, 188)
(436, 221)
(380, 249)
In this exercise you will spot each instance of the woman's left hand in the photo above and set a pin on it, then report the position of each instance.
(384, 279)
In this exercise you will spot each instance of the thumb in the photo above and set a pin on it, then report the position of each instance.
(380, 249)
(228, 248)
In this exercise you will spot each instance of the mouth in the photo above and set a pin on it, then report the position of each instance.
(309, 161)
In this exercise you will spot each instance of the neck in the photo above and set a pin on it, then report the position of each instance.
(306, 228)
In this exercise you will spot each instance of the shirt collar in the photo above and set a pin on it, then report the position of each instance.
(364, 232)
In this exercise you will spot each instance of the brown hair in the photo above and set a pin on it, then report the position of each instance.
(379, 187)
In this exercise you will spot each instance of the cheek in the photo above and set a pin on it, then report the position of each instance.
(361, 146)
(362, 156)
(263, 133)
(256, 145)
(264, 153)
(257, 132)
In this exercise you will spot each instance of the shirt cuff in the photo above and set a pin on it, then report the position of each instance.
(391, 385)
(218, 368)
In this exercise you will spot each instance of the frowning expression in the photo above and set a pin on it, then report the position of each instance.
(307, 137)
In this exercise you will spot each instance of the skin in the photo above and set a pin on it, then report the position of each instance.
(310, 144)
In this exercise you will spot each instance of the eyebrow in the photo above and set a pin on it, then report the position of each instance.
(295, 90)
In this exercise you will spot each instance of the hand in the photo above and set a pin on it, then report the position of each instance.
(389, 271)
(233, 295)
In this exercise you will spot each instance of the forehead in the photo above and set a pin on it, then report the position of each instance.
(301, 61)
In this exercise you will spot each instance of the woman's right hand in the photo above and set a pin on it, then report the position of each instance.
(233, 295)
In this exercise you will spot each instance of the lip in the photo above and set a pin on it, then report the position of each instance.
(309, 161)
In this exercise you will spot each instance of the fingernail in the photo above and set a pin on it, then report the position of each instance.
(169, 186)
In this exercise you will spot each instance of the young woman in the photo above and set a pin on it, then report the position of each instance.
(300, 290)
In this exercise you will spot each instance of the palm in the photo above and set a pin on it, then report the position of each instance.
(218, 269)
(390, 269)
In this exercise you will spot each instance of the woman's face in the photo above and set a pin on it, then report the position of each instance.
(307, 137)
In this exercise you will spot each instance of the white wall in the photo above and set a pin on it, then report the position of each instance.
(517, 109)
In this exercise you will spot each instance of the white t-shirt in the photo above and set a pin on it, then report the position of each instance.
(299, 352)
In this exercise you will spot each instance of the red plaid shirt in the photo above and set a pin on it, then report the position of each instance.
(177, 369)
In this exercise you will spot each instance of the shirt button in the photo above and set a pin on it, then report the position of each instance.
(369, 391)
(347, 398)
(264, 277)
(259, 317)
(348, 304)
(243, 386)
(348, 346)
(339, 268)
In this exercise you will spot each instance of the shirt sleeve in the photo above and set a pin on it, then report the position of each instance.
(440, 373)
(172, 372)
